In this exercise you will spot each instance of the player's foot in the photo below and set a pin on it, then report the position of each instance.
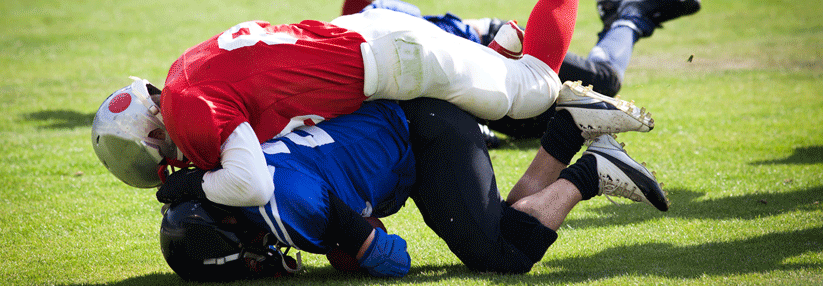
(509, 41)
(608, 14)
(622, 176)
(491, 140)
(596, 114)
(671, 9)
(644, 15)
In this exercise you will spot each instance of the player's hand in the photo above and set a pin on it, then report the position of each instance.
(386, 256)
(185, 184)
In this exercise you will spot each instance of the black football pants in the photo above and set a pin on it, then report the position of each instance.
(457, 194)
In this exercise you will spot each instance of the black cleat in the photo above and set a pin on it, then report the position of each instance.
(622, 176)
(608, 13)
(672, 9)
(644, 15)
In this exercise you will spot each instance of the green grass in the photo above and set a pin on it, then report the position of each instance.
(738, 143)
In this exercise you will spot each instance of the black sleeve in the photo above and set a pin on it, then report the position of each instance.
(346, 227)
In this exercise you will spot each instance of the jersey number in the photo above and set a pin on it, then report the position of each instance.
(315, 137)
(248, 34)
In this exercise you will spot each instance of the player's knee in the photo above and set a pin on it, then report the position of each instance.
(607, 80)
(497, 259)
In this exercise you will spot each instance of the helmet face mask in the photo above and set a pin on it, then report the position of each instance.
(129, 137)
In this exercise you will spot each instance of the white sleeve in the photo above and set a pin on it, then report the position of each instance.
(244, 179)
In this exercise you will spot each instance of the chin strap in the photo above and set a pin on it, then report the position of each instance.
(163, 171)
(291, 265)
(298, 263)
(168, 166)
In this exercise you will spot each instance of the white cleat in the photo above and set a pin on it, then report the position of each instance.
(622, 176)
(596, 114)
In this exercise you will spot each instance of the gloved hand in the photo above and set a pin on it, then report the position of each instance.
(386, 256)
(182, 185)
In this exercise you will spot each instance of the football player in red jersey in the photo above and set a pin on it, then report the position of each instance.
(256, 81)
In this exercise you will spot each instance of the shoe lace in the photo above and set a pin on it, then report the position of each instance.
(618, 189)
(610, 199)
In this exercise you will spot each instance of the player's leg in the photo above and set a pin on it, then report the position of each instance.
(601, 75)
(552, 204)
(597, 72)
(581, 114)
(457, 195)
(643, 16)
(408, 57)
(561, 140)
(616, 42)
(604, 169)
(625, 22)
(607, 62)
(549, 31)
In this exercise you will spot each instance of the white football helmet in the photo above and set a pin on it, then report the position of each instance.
(129, 137)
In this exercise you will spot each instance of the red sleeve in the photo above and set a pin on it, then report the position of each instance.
(196, 128)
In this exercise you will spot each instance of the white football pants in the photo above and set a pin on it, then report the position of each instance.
(406, 57)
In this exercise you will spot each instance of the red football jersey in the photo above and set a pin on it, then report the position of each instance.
(269, 76)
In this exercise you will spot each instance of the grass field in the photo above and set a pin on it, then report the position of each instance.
(738, 143)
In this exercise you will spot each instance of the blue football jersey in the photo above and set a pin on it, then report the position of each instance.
(363, 158)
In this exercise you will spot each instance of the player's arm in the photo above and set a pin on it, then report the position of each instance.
(244, 179)
(300, 216)
(347, 228)
(381, 254)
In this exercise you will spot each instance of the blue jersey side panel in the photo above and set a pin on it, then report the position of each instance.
(363, 158)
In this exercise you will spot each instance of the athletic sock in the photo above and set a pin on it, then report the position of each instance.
(615, 48)
(562, 139)
(550, 28)
(526, 233)
(583, 174)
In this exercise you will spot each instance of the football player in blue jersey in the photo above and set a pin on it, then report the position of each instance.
(330, 176)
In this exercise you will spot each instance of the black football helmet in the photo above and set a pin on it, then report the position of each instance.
(203, 241)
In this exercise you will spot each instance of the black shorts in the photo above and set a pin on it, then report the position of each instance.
(457, 194)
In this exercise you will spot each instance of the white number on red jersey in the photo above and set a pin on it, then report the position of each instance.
(247, 34)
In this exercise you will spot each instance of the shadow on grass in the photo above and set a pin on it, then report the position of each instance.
(759, 254)
(801, 156)
(60, 119)
(687, 204)
(753, 255)
(320, 276)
